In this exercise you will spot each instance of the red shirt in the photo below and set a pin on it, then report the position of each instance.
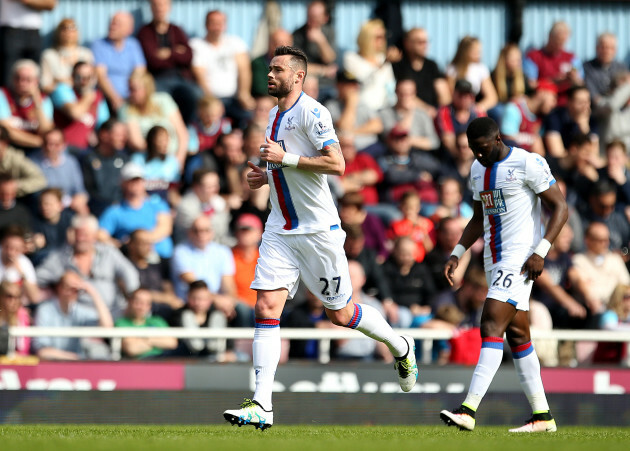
(362, 162)
(422, 228)
(553, 67)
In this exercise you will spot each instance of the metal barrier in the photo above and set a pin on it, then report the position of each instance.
(323, 335)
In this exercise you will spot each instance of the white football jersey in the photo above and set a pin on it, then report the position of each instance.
(301, 201)
(508, 193)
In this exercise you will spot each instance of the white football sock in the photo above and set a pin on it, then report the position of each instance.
(487, 366)
(266, 355)
(370, 322)
(528, 370)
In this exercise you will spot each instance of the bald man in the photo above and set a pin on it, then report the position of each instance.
(116, 57)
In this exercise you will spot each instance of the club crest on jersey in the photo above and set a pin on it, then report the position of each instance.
(290, 125)
(510, 176)
(493, 202)
(316, 113)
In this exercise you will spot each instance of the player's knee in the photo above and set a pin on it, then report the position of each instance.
(339, 317)
(517, 336)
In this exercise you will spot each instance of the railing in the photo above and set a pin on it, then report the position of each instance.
(323, 335)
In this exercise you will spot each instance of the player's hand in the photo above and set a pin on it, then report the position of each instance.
(533, 267)
(271, 152)
(449, 269)
(257, 177)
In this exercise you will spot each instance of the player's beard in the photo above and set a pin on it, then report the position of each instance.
(281, 89)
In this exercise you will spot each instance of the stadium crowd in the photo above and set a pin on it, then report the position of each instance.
(123, 199)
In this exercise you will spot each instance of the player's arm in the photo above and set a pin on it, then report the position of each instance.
(329, 162)
(553, 199)
(471, 233)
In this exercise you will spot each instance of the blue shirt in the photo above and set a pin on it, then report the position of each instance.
(119, 63)
(122, 219)
(64, 94)
(156, 169)
(67, 175)
(209, 264)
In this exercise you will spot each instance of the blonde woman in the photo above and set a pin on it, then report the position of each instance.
(371, 67)
(508, 76)
(57, 62)
(467, 65)
(12, 313)
(145, 109)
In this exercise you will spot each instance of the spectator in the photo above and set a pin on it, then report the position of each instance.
(613, 111)
(602, 200)
(80, 108)
(62, 171)
(411, 284)
(161, 170)
(376, 283)
(350, 115)
(508, 77)
(260, 65)
(448, 317)
(362, 174)
(561, 288)
(253, 135)
(616, 172)
(467, 65)
(522, 117)
(601, 71)
(565, 122)
(404, 170)
(362, 348)
(15, 267)
(462, 161)
(616, 317)
(12, 313)
(208, 126)
(203, 198)
(453, 119)
(451, 203)
(138, 210)
(12, 212)
(431, 87)
(199, 312)
(317, 38)
(352, 212)
(146, 108)
(99, 264)
(448, 232)
(600, 268)
(469, 298)
(255, 201)
(169, 57)
(65, 310)
(19, 33)
(249, 229)
(406, 115)
(102, 165)
(138, 314)
(154, 273)
(552, 62)
(580, 167)
(200, 258)
(116, 57)
(420, 229)
(307, 314)
(59, 60)
(222, 68)
(15, 165)
(371, 67)
(25, 112)
(51, 225)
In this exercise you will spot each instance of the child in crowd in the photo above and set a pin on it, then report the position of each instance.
(211, 124)
(420, 229)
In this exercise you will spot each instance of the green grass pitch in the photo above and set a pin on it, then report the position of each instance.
(303, 438)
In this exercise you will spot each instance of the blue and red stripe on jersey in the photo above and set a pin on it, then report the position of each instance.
(518, 352)
(266, 323)
(489, 183)
(356, 317)
(279, 180)
(492, 342)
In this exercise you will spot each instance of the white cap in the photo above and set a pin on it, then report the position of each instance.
(131, 171)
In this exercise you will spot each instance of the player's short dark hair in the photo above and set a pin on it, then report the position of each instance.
(482, 127)
(298, 60)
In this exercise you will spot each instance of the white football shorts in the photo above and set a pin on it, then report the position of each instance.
(318, 259)
(507, 284)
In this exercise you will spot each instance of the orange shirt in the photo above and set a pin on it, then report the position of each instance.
(417, 232)
(245, 270)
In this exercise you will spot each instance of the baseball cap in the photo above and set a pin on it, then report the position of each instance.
(249, 221)
(547, 85)
(398, 132)
(343, 76)
(463, 86)
(131, 171)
